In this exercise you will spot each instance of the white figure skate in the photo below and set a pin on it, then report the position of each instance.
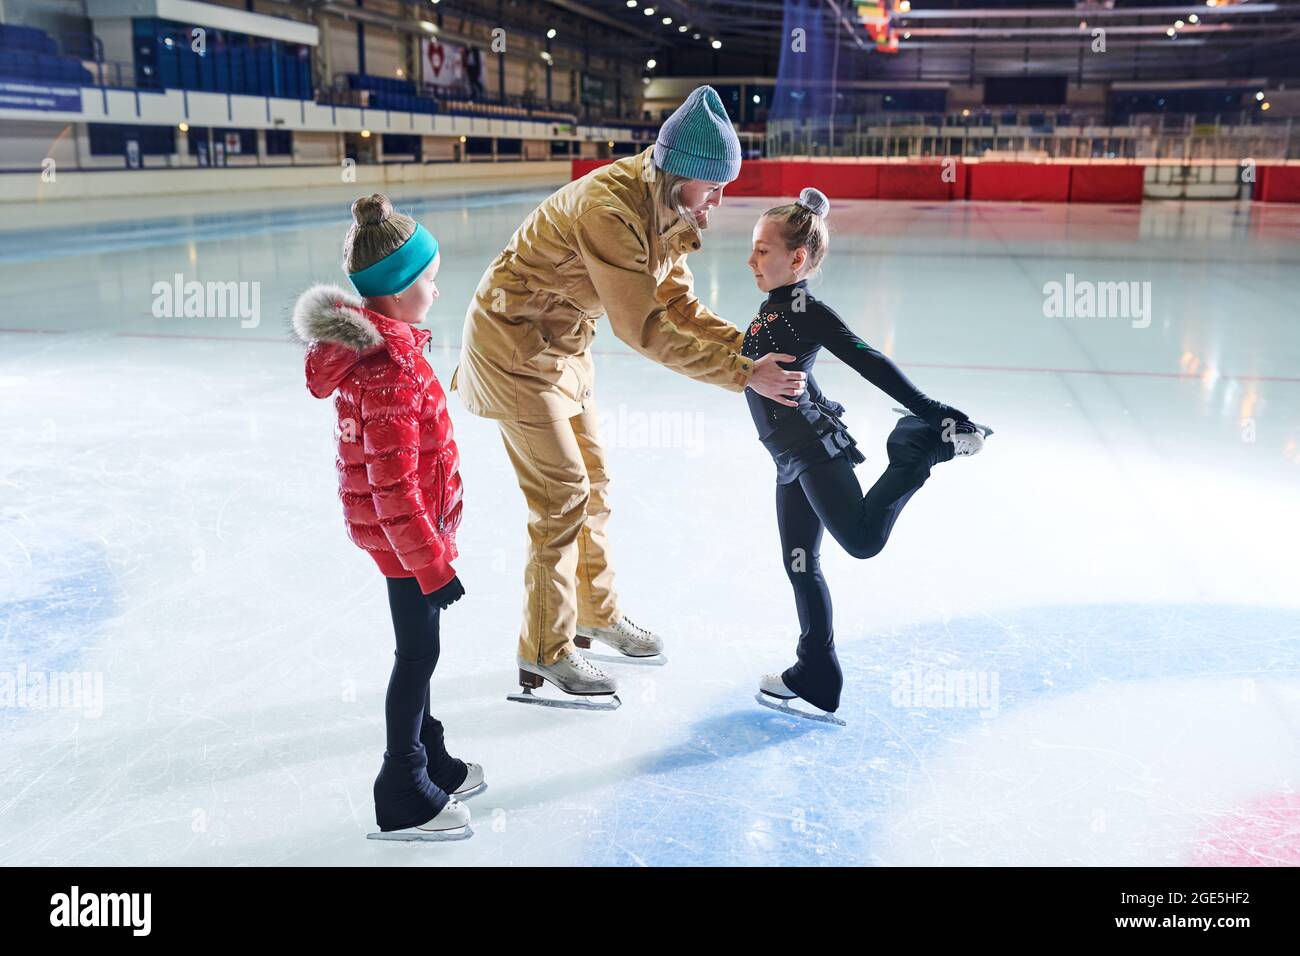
(574, 675)
(965, 443)
(474, 783)
(450, 825)
(635, 644)
(773, 693)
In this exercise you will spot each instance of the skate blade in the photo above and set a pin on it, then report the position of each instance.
(423, 836)
(782, 704)
(654, 660)
(472, 792)
(526, 696)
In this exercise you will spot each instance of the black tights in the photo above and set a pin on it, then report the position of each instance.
(828, 496)
(418, 773)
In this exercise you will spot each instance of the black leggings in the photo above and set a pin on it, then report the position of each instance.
(828, 496)
(418, 773)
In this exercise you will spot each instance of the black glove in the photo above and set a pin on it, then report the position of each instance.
(447, 595)
(937, 414)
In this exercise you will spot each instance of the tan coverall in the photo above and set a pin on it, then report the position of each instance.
(596, 246)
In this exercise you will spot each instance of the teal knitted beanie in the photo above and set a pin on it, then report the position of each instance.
(697, 141)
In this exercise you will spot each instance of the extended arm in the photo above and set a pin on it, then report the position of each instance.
(677, 292)
(614, 252)
(828, 329)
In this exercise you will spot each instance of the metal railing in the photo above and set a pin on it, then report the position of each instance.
(890, 136)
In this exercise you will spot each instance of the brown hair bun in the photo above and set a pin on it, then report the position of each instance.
(376, 232)
(371, 210)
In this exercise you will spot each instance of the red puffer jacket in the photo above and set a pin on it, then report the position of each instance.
(399, 470)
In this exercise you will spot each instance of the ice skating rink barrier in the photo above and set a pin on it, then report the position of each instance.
(946, 180)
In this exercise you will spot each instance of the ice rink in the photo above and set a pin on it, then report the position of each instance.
(1080, 647)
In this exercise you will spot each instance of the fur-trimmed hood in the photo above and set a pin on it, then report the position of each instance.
(329, 313)
(340, 332)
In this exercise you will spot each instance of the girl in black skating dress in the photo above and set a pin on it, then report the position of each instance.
(813, 451)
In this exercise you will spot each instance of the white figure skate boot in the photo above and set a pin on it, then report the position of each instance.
(451, 823)
(636, 644)
(574, 675)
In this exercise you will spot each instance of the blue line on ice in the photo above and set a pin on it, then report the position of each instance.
(751, 787)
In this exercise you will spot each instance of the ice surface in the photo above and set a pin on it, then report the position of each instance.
(1121, 558)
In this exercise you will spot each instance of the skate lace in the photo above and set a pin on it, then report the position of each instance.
(584, 666)
(640, 634)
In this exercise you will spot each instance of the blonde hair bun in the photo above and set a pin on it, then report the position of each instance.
(814, 200)
(372, 210)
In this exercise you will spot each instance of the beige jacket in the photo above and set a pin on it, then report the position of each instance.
(593, 247)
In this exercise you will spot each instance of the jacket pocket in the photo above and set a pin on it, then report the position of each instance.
(578, 338)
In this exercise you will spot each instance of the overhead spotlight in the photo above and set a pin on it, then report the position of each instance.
(610, 143)
(667, 21)
(462, 137)
(695, 36)
(904, 6)
(716, 44)
(1260, 96)
(907, 36)
(1193, 19)
(550, 34)
(400, 73)
(757, 98)
(184, 127)
(1211, 3)
(365, 134)
(1265, 105)
(631, 3)
(965, 112)
(1179, 24)
(650, 64)
(682, 28)
(1171, 32)
(649, 11)
(550, 60)
(428, 27)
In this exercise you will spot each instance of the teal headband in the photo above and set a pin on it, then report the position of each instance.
(398, 270)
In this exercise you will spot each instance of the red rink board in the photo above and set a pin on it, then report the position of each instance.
(925, 181)
(1019, 182)
(1277, 184)
(1109, 184)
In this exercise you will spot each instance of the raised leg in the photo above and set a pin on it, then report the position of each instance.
(862, 523)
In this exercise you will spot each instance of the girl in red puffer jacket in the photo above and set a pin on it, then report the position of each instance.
(399, 481)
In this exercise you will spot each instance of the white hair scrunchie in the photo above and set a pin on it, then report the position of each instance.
(814, 200)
